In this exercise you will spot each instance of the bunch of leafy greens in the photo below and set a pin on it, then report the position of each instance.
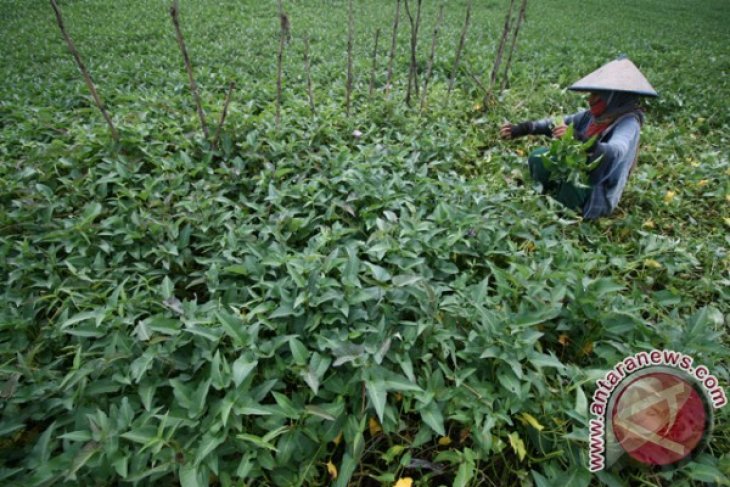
(568, 159)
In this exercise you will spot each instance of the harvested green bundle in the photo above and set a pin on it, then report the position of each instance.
(567, 160)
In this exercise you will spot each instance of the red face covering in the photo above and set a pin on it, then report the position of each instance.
(597, 107)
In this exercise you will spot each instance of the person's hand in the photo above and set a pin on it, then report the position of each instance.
(506, 131)
(559, 130)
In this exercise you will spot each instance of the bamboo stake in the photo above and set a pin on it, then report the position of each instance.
(231, 87)
(429, 66)
(284, 29)
(478, 82)
(309, 75)
(175, 14)
(457, 59)
(520, 18)
(84, 72)
(413, 69)
(350, 29)
(375, 62)
(500, 49)
(392, 49)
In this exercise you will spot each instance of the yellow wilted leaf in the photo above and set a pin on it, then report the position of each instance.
(374, 426)
(464, 435)
(332, 470)
(517, 445)
(530, 419)
(727, 197)
(652, 263)
(477, 107)
(563, 339)
(444, 441)
(528, 245)
(694, 163)
(337, 439)
(648, 224)
(669, 196)
(702, 183)
(520, 152)
(404, 482)
(727, 221)
(587, 348)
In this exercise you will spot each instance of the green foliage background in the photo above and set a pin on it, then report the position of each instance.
(173, 314)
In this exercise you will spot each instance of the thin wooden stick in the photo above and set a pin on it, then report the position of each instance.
(457, 59)
(350, 34)
(478, 82)
(500, 49)
(84, 72)
(283, 34)
(413, 69)
(429, 66)
(375, 62)
(309, 75)
(231, 87)
(389, 77)
(516, 32)
(175, 14)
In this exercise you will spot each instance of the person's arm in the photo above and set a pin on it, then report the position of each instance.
(538, 127)
(609, 179)
(545, 126)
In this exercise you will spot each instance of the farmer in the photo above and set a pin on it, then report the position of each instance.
(615, 118)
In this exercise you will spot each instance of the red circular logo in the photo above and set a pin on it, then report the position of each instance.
(659, 418)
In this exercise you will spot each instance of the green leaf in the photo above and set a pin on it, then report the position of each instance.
(544, 360)
(347, 468)
(378, 395)
(191, 476)
(702, 472)
(82, 457)
(257, 441)
(207, 445)
(405, 280)
(581, 402)
(464, 474)
(577, 476)
(168, 288)
(431, 415)
(81, 435)
(300, 354)
(91, 211)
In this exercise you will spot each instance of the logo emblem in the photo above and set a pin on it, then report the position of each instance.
(660, 418)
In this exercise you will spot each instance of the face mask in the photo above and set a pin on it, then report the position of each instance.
(598, 107)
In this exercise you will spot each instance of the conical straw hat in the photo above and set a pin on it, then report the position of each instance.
(618, 75)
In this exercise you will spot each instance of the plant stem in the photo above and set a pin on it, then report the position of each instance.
(429, 67)
(284, 24)
(375, 62)
(457, 59)
(389, 76)
(350, 33)
(175, 14)
(520, 18)
(413, 68)
(309, 75)
(231, 87)
(84, 72)
(500, 50)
